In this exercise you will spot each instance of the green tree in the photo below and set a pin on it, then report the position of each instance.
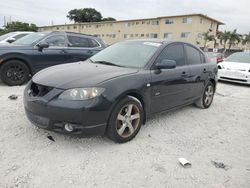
(224, 38)
(109, 19)
(20, 26)
(246, 40)
(207, 38)
(84, 15)
(234, 38)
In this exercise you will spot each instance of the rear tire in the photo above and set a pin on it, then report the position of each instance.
(207, 96)
(125, 120)
(14, 73)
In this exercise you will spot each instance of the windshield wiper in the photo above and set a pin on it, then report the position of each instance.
(107, 63)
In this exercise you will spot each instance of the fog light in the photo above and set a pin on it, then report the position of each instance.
(68, 127)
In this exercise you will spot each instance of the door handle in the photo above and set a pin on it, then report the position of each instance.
(63, 52)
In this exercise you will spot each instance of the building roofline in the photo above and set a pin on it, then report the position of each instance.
(155, 18)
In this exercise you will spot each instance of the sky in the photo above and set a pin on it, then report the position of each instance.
(235, 14)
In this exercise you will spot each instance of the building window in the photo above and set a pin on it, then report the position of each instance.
(155, 22)
(143, 22)
(153, 35)
(168, 35)
(211, 26)
(136, 35)
(187, 20)
(185, 34)
(103, 35)
(137, 23)
(68, 27)
(142, 35)
(169, 21)
(75, 27)
(201, 21)
(57, 28)
(126, 36)
(113, 35)
(131, 35)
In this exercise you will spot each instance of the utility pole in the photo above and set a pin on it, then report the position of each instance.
(4, 21)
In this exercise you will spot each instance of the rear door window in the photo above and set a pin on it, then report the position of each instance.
(93, 43)
(193, 56)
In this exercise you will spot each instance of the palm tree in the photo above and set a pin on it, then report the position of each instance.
(207, 38)
(246, 40)
(234, 38)
(224, 38)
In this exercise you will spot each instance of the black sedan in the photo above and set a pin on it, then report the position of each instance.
(37, 51)
(115, 91)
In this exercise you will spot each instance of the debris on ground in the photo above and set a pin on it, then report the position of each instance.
(220, 94)
(149, 135)
(13, 97)
(50, 138)
(220, 165)
(184, 162)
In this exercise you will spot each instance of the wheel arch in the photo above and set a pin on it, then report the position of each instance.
(138, 96)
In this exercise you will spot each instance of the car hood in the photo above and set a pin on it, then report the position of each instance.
(80, 74)
(236, 66)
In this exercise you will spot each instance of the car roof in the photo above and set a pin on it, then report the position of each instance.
(71, 33)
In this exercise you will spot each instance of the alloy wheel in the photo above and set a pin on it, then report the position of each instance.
(15, 73)
(209, 93)
(128, 120)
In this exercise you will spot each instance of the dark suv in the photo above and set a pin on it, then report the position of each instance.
(37, 51)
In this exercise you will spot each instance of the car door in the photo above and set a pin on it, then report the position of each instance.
(170, 87)
(199, 70)
(80, 47)
(53, 55)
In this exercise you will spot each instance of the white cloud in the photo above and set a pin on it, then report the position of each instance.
(41, 12)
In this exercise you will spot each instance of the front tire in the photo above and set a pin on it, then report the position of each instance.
(14, 73)
(207, 97)
(125, 120)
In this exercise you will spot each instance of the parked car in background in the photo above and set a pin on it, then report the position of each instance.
(235, 68)
(215, 57)
(12, 37)
(37, 51)
(115, 90)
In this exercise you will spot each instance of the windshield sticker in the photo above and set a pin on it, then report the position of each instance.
(152, 44)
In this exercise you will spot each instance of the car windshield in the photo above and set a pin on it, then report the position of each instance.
(29, 39)
(3, 37)
(239, 57)
(127, 54)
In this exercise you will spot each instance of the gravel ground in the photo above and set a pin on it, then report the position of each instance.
(221, 133)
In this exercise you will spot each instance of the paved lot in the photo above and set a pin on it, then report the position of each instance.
(221, 133)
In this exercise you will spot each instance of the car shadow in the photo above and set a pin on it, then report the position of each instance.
(234, 84)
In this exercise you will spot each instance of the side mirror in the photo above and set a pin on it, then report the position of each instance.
(166, 64)
(43, 45)
(10, 40)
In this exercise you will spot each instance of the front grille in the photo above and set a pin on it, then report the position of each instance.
(37, 90)
(234, 79)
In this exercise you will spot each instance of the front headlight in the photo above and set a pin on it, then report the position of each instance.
(81, 93)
